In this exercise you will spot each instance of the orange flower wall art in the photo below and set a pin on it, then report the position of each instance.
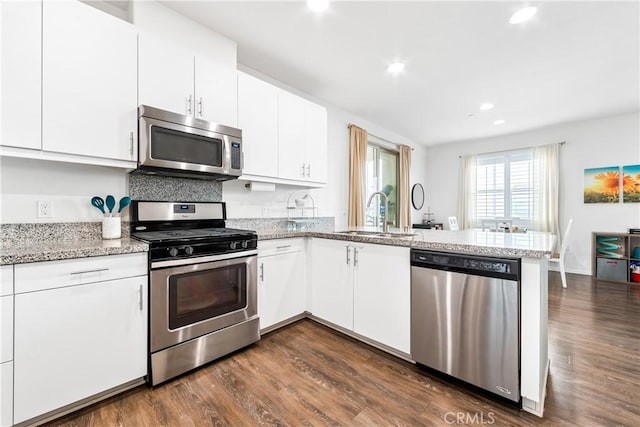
(602, 185)
(631, 184)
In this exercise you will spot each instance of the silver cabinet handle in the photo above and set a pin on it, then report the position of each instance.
(189, 105)
(309, 170)
(262, 271)
(90, 271)
(200, 106)
(283, 247)
(131, 143)
(348, 254)
(303, 171)
(355, 257)
(140, 297)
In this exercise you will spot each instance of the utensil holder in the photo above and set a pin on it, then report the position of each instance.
(111, 227)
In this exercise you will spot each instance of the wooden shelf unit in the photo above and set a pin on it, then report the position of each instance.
(614, 256)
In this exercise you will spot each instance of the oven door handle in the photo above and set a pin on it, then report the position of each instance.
(202, 259)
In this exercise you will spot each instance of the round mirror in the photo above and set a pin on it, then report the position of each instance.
(417, 196)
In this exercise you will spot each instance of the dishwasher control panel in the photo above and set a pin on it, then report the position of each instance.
(472, 264)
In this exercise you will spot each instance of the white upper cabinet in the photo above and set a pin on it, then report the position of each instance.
(302, 129)
(291, 131)
(165, 75)
(176, 79)
(258, 119)
(216, 91)
(20, 93)
(89, 103)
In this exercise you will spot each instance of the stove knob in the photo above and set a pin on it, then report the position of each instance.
(173, 251)
(188, 250)
(233, 245)
(245, 244)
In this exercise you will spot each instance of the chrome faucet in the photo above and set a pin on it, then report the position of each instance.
(385, 226)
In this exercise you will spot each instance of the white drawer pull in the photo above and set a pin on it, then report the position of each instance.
(90, 271)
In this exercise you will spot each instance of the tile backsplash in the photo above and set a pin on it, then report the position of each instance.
(172, 189)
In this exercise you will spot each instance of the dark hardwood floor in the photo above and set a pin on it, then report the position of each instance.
(307, 374)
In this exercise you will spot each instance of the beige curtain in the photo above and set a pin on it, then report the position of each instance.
(467, 193)
(404, 188)
(357, 175)
(546, 193)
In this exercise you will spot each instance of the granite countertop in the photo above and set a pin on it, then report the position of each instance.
(34, 251)
(520, 245)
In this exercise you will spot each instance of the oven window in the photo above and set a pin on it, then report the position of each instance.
(206, 294)
(176, 146)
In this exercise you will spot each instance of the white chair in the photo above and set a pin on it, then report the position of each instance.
(563, 250)
(453, 223)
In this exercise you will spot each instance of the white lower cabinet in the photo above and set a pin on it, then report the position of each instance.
(332, 281)
(281, 281)
(77, 340)
(382, 295)
(6, 394)
(364, 288)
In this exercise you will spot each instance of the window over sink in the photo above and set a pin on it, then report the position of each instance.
(381, 175)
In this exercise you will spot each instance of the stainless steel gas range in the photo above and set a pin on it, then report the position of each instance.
(202, 284)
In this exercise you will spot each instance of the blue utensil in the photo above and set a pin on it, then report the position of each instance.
(110, 201)
(124, 202)
(98, 203)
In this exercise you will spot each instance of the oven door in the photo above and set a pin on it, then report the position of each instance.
(193, 300)
(174, 146)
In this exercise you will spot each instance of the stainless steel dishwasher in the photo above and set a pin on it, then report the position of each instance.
(465, 318)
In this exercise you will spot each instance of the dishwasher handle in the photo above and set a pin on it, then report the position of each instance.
(501, 268)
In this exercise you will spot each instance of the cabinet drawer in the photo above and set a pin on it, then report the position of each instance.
(6, 328)
(6, 394)
(280, 246)
(611, 269)
(6, 280)
(55, 274)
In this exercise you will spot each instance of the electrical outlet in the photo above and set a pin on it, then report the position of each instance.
(45, 209)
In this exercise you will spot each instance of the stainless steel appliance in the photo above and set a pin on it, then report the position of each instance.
(465, 318)
(177, 145)
(202, 285)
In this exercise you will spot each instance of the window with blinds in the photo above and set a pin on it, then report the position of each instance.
(504, 187)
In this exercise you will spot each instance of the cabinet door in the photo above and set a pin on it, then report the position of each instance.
(281, 287)
(258, 119)
(216, 88)
(382, 295)
(331, 282)
(6, 394)
(316, 142)
(20, 93)
(291, 136)
(89, 82)
(77, 341)
(6, 328)
(165, 75)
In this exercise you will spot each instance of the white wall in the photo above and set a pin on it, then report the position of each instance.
(333, 199)
(68, 186)
(611, 141)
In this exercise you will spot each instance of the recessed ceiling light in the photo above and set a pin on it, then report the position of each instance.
(498, 122)
(486, 106)
(318, 5)
(523, 15)
(396, 67)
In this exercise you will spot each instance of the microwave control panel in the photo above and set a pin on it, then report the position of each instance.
(236, 155)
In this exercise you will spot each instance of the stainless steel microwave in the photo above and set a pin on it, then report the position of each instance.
(177, 145)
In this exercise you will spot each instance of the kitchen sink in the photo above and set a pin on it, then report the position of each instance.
(363, 233)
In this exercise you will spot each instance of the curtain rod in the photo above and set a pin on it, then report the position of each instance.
(376, 136)
(504, 151)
